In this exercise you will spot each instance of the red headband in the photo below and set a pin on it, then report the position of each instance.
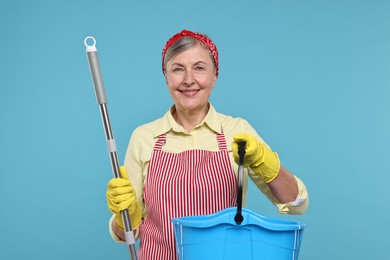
(200, 37)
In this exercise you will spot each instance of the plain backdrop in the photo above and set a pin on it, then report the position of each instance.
(313, 77)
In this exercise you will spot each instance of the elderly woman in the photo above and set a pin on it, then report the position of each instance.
(183, 163)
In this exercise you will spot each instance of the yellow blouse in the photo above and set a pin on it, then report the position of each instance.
(201, 137)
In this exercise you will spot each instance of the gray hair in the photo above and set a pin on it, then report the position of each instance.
(181, 45)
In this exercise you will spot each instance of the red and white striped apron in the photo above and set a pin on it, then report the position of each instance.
(193, 182)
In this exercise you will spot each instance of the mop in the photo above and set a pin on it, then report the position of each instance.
(111, 146)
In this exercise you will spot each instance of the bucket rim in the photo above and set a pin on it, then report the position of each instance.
(226, 216)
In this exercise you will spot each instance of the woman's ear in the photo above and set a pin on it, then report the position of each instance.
(215, 80)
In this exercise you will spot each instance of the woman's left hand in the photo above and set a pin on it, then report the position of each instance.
(258, 157)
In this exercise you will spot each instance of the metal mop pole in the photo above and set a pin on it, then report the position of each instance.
(111, 146)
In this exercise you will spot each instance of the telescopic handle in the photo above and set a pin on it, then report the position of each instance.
(241, 152)
(95, 70)
(102, 100)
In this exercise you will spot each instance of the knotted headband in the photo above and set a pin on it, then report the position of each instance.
(200, 37)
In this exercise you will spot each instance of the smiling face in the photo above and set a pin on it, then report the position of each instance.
(190, 77)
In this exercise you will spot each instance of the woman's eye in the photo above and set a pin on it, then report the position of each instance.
(178, 69)
(199, 68)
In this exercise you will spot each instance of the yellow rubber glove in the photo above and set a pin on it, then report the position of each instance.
(258, 157)
(120, 196)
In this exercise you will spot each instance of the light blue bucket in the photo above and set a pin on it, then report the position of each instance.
(217, 236)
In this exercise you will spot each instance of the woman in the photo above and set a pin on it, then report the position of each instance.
(182, 164)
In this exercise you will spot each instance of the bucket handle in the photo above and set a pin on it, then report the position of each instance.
(241, 151)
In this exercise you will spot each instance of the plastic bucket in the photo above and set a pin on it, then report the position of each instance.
(217, 236)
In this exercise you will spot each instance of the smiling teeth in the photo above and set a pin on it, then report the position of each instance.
(189, 92)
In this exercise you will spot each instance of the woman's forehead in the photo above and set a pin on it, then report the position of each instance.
(195, 54)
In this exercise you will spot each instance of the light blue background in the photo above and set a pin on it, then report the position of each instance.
(313, 77)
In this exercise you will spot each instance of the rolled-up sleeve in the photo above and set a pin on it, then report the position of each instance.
(296, 207)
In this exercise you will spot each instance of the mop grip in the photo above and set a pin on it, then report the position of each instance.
(241, 152)
(94, 66)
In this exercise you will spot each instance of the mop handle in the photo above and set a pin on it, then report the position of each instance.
(241, 151)
(111, 146)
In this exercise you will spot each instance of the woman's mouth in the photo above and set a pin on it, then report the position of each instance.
(189, 92)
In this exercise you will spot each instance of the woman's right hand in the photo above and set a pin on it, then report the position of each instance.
(121, 196)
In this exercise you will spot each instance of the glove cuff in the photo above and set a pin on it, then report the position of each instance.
(119, 222)
(135, 217)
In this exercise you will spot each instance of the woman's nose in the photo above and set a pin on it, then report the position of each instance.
(188, 79)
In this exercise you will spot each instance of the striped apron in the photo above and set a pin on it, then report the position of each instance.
(193, 182)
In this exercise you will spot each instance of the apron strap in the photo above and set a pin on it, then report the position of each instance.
(221, 141)
(160, 142)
